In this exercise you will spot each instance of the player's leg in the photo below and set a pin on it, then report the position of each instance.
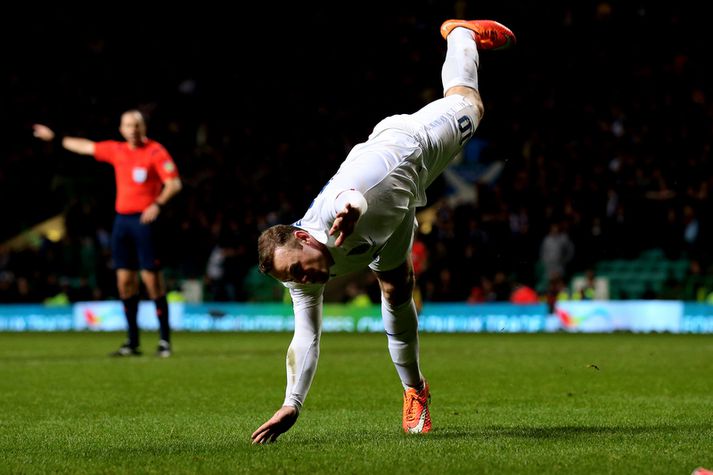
(459, 73)
(394, 271)
(398, 312)
(460, 68)
(489, 34)
(152, 277)
(451, 121)
(127, 283)
(156, 288)
(400, 321)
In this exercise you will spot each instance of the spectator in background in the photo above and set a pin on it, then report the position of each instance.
(501, 286)
(556, 252)
(523, 294)
(557, 291)
(588, 290)
(146, 179)
(691, 231)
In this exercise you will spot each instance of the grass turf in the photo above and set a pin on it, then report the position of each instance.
(502, 403)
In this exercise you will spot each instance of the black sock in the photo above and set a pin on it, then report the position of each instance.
(131, 310)
(162, 314)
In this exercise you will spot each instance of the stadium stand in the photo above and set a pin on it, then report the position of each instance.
(623, 166)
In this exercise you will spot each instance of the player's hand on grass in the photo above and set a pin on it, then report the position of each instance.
(281, 422)
(344, 223)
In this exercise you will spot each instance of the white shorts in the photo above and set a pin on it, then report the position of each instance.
(425, 143)
(442, 128)
(398, 247)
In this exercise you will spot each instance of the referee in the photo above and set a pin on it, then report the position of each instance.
(146, 179)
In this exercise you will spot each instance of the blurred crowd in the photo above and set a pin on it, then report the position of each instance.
(595, 144)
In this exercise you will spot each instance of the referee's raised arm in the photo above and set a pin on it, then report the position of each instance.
(73, 144)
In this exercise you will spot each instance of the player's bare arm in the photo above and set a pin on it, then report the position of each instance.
(279, 423)
(170, 188)
(73, 144)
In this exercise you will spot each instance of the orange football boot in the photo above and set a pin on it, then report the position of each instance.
(489, 34)
(416, 418)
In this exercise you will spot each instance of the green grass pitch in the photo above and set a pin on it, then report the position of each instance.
(502, 403)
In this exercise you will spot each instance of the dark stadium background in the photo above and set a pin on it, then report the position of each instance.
(259, 104)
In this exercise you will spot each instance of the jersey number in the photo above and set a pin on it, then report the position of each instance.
(465, 125)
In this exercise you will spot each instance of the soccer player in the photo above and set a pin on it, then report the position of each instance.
(146, 179)
(365, 216)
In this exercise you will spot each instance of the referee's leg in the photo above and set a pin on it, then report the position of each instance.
(152, 277)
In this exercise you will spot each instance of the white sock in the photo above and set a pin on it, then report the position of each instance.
(460, 68)
(401, 325)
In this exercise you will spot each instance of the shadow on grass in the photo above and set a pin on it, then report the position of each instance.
(492, 433)
(564, 432)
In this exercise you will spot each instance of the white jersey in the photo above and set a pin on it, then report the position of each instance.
(392, 170)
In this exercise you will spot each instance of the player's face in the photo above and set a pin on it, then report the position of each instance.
(132, 128)
(306, 265)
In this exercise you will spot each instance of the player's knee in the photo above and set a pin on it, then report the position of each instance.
(397, 285)
(127, 288)
(127, 292)
(472, 96)
(398, 294)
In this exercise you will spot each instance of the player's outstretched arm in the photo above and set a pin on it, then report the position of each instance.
(279, 423)
(43, 132)
(73, 144)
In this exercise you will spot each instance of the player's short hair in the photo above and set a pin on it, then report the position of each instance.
(279, 235)
(136, 112)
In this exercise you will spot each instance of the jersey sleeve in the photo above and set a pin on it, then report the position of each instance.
(337, 201)
(165, 166)
(352, 197)
(104, 151)
(303, 352)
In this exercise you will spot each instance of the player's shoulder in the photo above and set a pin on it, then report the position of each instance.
(154, 148)
(109, 148)
(151, 144)
(109, 143)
